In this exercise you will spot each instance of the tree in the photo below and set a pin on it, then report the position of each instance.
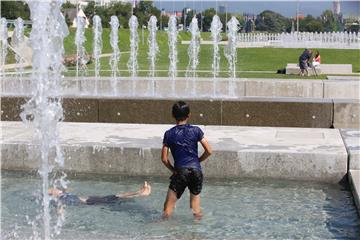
(144, 10)
(90, 11)
(188, 16)
(272, 22)
(330, 21)
(164, 21)
(208, 15)
(311, 24)
(15, 9)
(67, 5)
(122, 11)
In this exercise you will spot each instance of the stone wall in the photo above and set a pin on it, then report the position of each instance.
(273, 112)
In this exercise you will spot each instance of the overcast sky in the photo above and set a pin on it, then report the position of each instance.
(286, 8)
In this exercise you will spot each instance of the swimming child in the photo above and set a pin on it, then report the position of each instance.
(72, 199)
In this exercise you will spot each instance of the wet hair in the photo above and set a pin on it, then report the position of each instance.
(180, 111)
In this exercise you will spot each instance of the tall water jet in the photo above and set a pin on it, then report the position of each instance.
(193, 52)
(173, 57)
(115, 56)
(216, 29)
(80, 39)
(4, 44)
(153, 49)
(97, 47)
(134, 46)
(17, 41)
(44, 110)
(231, 52)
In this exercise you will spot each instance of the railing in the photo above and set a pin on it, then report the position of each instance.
(338, 40)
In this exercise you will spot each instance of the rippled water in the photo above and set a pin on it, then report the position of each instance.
(232, 210)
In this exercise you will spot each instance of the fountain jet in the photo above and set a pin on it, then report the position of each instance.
(173, 57)
(231, 52)
(44, 110)
(4, 44)
(17, 41)
(115, 56)
(153, 49)
(81, 58)
(193, 51)
(216, 28)
(97, 47)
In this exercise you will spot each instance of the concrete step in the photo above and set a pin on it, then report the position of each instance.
(134, 149)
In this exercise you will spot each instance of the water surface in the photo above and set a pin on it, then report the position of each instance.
(233, 209)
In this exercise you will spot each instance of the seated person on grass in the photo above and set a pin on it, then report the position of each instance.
(316, 60)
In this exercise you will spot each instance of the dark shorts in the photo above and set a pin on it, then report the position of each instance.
(303, 64)
(187, 177)
(69, 199)
(101, 200)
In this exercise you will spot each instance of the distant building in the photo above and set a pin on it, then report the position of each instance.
(103, 2)
(221, 9)
(177, 14)
(300, 15)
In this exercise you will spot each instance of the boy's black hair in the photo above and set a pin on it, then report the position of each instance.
(180, 111)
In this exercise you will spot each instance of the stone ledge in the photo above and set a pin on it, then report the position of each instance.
(248, 111)
(200, 88)
(354, 179)
(134, 149)
(351, 139)
(347, 114)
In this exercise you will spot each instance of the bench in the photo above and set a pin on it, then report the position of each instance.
(293, 68)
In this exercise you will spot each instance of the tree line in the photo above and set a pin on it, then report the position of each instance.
(266, 21)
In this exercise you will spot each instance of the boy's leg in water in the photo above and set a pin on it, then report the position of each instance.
(195, 205)
(169, 204)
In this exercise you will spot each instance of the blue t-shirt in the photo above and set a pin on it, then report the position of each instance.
(183, 143)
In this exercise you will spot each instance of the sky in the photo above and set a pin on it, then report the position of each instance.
(286, 8)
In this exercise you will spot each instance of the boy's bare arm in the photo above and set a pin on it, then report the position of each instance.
(207, 149)
(165, 158)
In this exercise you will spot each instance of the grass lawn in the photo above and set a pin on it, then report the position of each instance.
(10, 57)
(249, 59)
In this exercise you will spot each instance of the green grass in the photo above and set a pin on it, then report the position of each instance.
(10, 57)
(249, 59)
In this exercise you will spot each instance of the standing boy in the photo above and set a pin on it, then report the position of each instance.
(183, 140)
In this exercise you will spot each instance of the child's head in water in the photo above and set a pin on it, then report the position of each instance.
(181, 111)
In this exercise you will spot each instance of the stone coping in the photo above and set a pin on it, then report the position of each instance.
(134, 149)
(345, 78)
(351, 139)
(354, 179)
(200, 88)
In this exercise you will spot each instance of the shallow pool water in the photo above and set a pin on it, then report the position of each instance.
(233, 209)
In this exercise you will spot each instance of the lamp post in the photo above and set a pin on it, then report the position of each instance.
(297, 17)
